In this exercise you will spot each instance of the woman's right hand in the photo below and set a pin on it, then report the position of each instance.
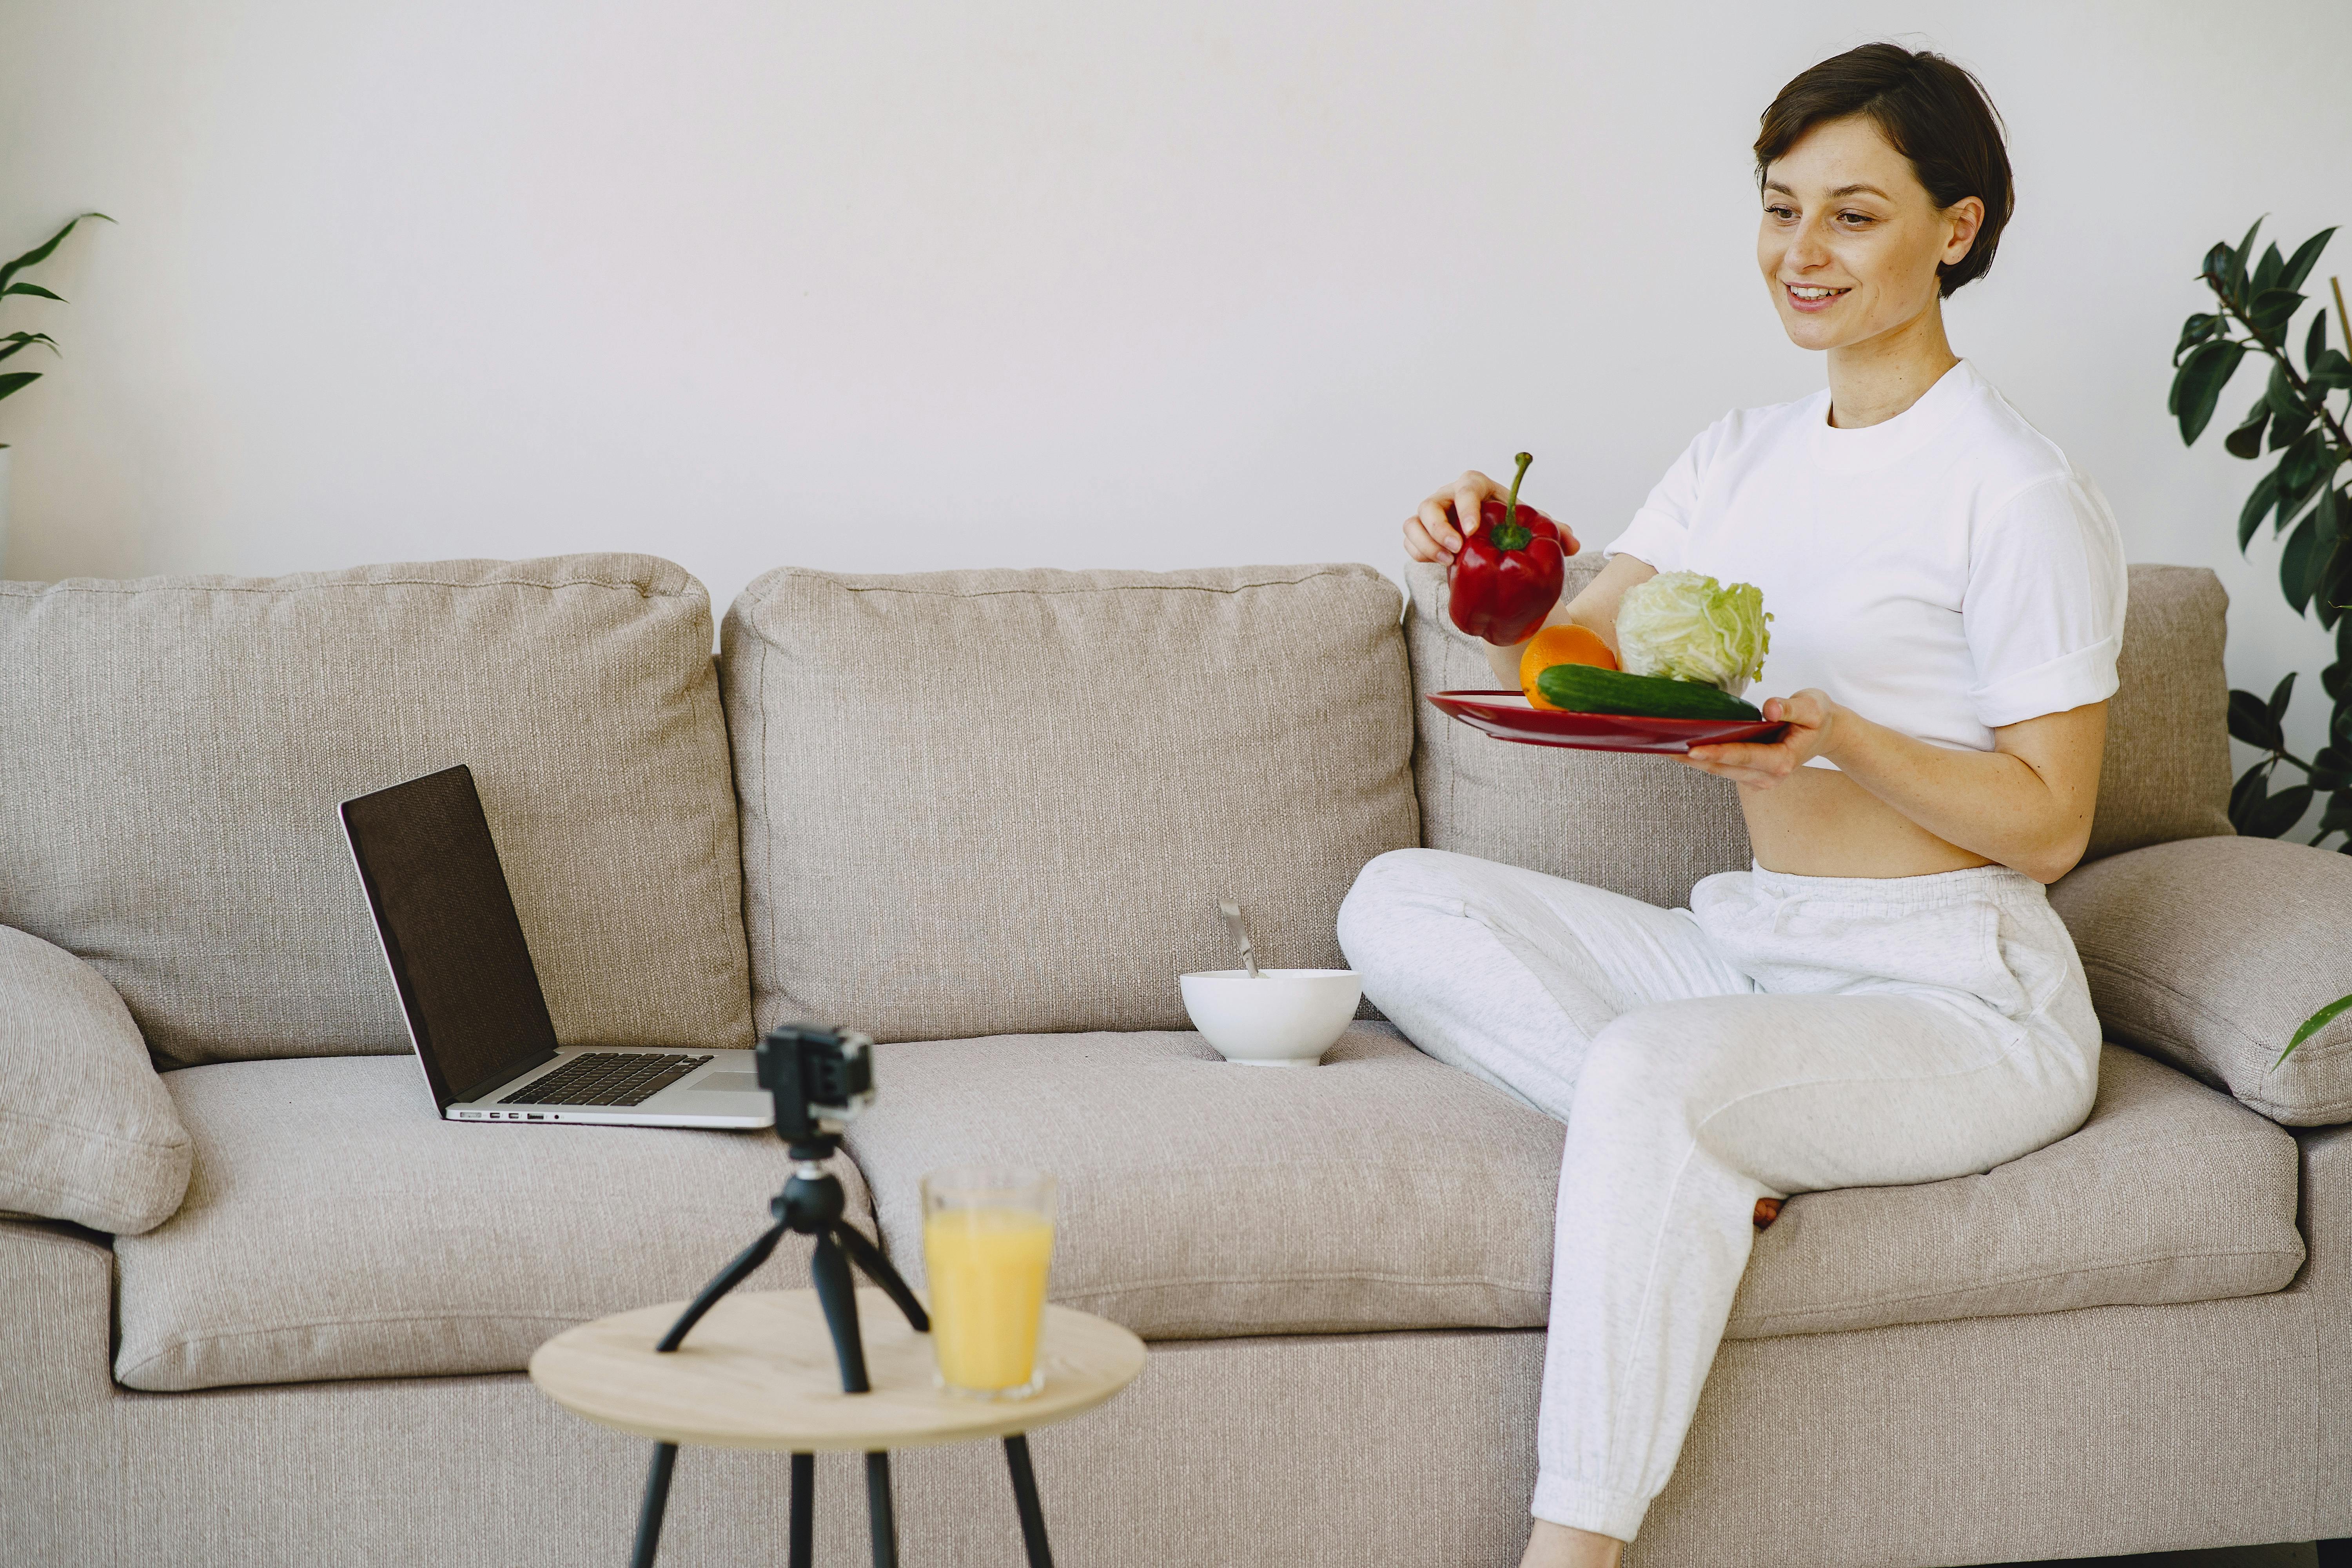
(1432, 534)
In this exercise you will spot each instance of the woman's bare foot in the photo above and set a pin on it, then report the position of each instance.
(1553, 1545)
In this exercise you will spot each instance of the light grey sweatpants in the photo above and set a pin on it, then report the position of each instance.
(1784, 1034)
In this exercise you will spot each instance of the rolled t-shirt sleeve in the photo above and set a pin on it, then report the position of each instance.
(2043, 611)
(1661, 530)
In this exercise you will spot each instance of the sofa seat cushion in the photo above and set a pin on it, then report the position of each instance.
(1384, 1190)
(334, 1227)
(2169, 1192)
(1380, 1190)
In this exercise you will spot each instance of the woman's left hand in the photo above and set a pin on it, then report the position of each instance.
(1810, 715)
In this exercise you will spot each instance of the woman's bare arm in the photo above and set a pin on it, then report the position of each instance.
(2025, 804)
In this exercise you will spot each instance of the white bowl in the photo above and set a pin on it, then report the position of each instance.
(1284, 1018)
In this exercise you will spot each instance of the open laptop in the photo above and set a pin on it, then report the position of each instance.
(476, 1013)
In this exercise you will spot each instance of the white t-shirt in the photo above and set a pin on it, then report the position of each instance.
(1943, 572)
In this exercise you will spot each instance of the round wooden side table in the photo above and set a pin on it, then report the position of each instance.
(760, 1372)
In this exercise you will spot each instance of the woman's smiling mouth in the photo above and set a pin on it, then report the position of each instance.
(1811, 298)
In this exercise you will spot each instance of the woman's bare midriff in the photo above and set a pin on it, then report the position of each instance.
(1819, 823)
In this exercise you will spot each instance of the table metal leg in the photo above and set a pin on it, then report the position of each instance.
(880, 1517)
(1024, 1499)
(803, 1547)
(650, 1514)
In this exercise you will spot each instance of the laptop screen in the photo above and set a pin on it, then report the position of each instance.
(449, 931)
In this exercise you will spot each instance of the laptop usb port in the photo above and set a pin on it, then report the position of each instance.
(535, 1116)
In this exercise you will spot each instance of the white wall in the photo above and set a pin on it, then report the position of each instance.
(888, 286)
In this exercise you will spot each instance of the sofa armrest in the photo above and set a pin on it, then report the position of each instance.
(88, 1131)
(2208, 953)
(58, 1446)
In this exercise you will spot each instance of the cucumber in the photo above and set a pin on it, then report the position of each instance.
(1589, 689)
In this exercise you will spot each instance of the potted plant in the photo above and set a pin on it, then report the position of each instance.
(2258, 300)
(13, 343)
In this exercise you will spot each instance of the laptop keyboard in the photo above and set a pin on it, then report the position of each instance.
(606, 1078)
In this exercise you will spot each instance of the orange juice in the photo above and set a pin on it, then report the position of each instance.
(988, 1269)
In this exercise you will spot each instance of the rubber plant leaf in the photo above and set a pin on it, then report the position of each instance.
(2306, 255)
(2202, 380)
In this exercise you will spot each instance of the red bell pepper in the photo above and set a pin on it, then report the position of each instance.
(1506, 576)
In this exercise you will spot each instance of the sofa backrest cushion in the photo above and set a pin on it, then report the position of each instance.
(1001, 802)
(1650, 827)
(176, 748)
(86, 1132)
(2167, 772)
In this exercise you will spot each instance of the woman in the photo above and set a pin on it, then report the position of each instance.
(1887, 997)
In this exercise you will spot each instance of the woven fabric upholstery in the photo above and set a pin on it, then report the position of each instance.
(2210, 952)
(1384, 1191)
(2166, 774)
(1650, 827)
(337, 1227)
(2121, 1429)
(988, 801)
(86, 1132)
(2169, 1192)
(177, 747)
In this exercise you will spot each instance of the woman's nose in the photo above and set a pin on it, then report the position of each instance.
(1808, 248)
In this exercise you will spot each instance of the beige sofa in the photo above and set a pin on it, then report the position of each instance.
(262, 1308)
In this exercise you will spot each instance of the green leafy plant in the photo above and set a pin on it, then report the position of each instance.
(13, 343)
(2259, 299)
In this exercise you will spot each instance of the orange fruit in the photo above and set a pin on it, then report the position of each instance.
(1560, 645)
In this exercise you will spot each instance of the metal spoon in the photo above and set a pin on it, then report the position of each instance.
(1234, 924)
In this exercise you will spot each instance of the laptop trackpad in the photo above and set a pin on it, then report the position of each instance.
(726, 1083)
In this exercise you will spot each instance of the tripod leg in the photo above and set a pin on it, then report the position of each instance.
(1024, 1499)
(877, 1268)
(803, 1549)
(882, 1519)
(734, 1274)
(838, 1296)
(649, 1515)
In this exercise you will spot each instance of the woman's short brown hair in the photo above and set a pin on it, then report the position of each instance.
(1933, 112)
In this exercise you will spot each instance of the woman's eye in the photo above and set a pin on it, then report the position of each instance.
(1783, 213)
(1853, 220)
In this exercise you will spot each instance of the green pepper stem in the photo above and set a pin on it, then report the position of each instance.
(1511, 533)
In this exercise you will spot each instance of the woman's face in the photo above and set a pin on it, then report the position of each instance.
(1850, 241)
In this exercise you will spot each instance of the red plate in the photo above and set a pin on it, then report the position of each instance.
(1507, 716)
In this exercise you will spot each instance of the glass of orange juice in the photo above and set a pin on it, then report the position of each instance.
(988, 1247)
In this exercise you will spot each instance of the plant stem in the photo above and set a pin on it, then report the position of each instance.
(2317, 404)
(2342, 321)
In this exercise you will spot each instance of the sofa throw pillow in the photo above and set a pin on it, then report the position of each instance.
(999, 802)
(2209, 952)
(177, 748)
(86, 1132)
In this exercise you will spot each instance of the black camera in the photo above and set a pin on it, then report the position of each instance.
(821, 1079)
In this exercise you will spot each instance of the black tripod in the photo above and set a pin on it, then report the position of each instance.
(821, 1079)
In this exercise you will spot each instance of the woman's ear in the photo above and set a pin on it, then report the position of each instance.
(1966, 216)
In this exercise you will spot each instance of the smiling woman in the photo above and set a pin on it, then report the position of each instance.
(1886, 997)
